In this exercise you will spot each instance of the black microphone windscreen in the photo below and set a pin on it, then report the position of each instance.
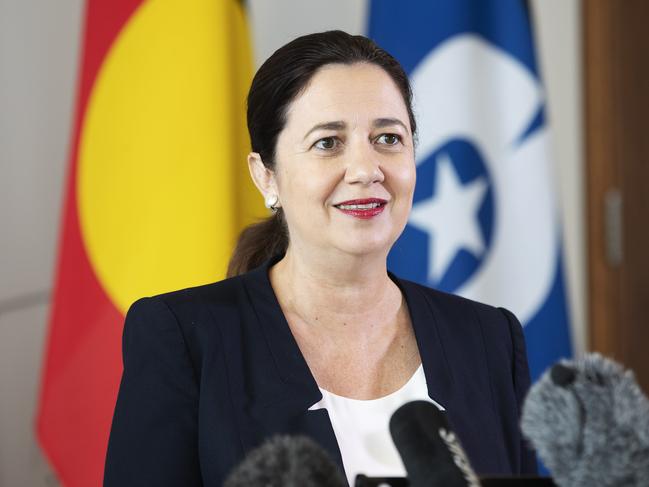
(429, 449)
(287, 461)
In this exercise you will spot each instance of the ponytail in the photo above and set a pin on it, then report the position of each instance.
(259, 242)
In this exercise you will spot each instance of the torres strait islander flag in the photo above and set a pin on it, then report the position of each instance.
(484, 222)
(157, 192)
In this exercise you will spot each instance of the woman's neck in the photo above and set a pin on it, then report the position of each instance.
(336, 291)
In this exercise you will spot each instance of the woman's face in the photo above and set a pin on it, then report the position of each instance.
(345, 169)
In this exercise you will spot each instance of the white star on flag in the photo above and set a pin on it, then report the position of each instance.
(450, 218)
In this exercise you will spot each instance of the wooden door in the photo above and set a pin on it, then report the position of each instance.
(616, 77)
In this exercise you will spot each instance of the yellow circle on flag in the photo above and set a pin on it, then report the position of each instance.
(162, 182)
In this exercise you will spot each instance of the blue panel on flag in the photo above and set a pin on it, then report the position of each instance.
(409, 31)
(407, 253)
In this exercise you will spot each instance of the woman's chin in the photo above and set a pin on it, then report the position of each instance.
(363, 247)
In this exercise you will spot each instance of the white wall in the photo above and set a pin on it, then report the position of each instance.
(39, 42)
(558, 33)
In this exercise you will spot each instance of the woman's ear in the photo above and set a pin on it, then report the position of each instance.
(263, 177)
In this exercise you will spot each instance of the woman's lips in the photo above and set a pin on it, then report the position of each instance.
(362, 208)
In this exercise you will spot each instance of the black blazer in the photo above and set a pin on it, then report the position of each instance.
(212, 371)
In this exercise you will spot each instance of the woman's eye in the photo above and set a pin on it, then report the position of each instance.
(388, 139)
(326, 143)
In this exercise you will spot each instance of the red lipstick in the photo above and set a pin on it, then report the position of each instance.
(364, 209)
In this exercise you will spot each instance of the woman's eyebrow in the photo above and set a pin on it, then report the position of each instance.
(380, 123)
(336, 125)
(340, 125)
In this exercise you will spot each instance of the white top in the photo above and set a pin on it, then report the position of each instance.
(362, 428)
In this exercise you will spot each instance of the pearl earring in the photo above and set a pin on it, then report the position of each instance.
(271, 201)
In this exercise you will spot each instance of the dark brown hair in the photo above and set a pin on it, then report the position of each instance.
(277, 83)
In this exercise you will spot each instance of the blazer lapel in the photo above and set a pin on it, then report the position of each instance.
(439, 377)
(286, 410)
(299, 389)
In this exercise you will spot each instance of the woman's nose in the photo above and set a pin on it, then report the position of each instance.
(363, 165)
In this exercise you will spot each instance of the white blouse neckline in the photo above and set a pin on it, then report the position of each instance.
(413, 377)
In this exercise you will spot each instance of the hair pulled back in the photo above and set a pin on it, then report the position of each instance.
(279, 81)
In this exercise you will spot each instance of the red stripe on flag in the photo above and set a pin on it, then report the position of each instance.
(83, 364)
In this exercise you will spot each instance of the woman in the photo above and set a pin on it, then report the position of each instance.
(311, 335)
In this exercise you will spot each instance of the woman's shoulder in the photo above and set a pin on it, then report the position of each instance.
(224, 291)
(191, 303)
(460, 315)
(449, 301)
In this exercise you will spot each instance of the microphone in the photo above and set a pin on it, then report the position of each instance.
(589, 421)
(430, 451)
(363, 480)
(287, 461)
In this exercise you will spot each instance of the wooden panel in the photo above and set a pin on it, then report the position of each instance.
(616, 43)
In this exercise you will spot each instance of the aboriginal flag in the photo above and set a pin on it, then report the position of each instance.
(157, 192)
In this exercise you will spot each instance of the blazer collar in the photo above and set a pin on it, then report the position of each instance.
(292, 366)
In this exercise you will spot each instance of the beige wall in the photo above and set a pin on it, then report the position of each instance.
(558, 32)
(39, 42)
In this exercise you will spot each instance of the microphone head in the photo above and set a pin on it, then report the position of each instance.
(589, 422)
(429, 449)
(286, 461)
